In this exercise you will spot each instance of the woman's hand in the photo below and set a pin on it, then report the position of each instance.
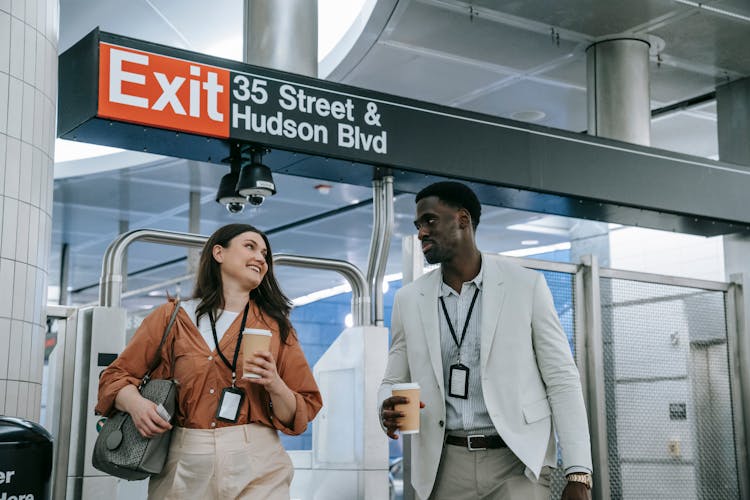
(263, 364)
(142, 411)
(282, 397)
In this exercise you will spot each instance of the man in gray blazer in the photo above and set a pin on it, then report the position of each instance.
(482, 338)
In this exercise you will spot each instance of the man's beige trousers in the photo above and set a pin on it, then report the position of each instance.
(495, 474)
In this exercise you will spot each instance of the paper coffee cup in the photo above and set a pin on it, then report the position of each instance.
(254, 340)
(410, 421)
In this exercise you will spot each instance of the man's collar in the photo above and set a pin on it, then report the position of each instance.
(446, 290)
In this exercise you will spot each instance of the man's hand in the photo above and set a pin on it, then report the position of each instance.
(575, 491)
(390, 416)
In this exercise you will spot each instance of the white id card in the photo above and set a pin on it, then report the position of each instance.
(229, 404)
(458, 383)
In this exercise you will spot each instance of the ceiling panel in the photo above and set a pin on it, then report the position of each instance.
(572, 72)
(207, 26)
(195, 174)
(670, 84)
(564, 107)
(741, 7)
(478, 39)
(403, 72)
(79, 17)
(709, 39)
(591, 17)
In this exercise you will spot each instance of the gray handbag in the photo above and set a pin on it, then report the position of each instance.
(120, 450)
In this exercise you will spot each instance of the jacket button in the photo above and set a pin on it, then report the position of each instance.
(441, 423)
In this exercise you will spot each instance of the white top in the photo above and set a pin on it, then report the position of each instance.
(226, 318)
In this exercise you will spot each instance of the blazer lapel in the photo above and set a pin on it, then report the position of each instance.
(493, 295)
(427, 306)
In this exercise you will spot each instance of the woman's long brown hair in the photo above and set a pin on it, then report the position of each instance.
(208, 285)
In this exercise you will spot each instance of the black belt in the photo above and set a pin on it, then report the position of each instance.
(476, 442)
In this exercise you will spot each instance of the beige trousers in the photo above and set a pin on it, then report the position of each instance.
(495, 474)
(240, 462)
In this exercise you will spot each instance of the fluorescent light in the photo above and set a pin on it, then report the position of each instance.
(525, 252)
(538, 228)
(529, 242)
(321, 294)
(336, 290)
(349, 320)
(716, 10)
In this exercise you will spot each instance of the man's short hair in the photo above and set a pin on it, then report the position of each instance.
(456, 195)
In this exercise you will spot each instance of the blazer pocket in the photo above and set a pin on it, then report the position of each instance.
(536, 411)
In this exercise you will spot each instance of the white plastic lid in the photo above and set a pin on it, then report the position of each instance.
(256, 331)
(405, 386)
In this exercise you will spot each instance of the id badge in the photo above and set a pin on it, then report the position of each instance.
(458, 381)
(229, 404)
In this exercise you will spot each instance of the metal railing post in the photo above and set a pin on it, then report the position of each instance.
(380, 241)
(739, 374)
(594, 368)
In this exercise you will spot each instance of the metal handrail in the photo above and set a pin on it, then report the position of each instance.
(110, 284)
(358, 282)
(110, 291)
(380, 241)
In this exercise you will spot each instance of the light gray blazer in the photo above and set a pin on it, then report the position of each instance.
(529, 378)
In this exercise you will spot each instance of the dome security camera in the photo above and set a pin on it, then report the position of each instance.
(256, 199)
(235, 207)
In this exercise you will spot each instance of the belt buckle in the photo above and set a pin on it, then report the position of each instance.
(468, 442)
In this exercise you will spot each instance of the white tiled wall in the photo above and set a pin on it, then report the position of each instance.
(28, 94)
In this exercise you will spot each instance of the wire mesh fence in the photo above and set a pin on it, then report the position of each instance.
(667, 390)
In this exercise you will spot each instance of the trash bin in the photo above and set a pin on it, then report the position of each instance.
(25, 460)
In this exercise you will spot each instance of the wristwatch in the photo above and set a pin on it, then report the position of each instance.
(581, 478)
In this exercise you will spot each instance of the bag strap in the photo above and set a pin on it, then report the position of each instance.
(157, 357)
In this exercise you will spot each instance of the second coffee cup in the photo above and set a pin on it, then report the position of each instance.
(254, 340)
(410, 421)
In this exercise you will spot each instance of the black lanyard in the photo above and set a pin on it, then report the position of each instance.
(232, 366)
(466, 324)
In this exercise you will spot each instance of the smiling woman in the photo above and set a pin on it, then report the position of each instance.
(219, 414)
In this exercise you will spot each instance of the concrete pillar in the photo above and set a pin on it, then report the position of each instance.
(282, 34)
(619, 106)
(28, 99)
(733, 113)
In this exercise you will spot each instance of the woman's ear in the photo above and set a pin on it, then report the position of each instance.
(218, 252)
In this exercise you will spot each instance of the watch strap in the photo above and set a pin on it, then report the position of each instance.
(580, 478)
